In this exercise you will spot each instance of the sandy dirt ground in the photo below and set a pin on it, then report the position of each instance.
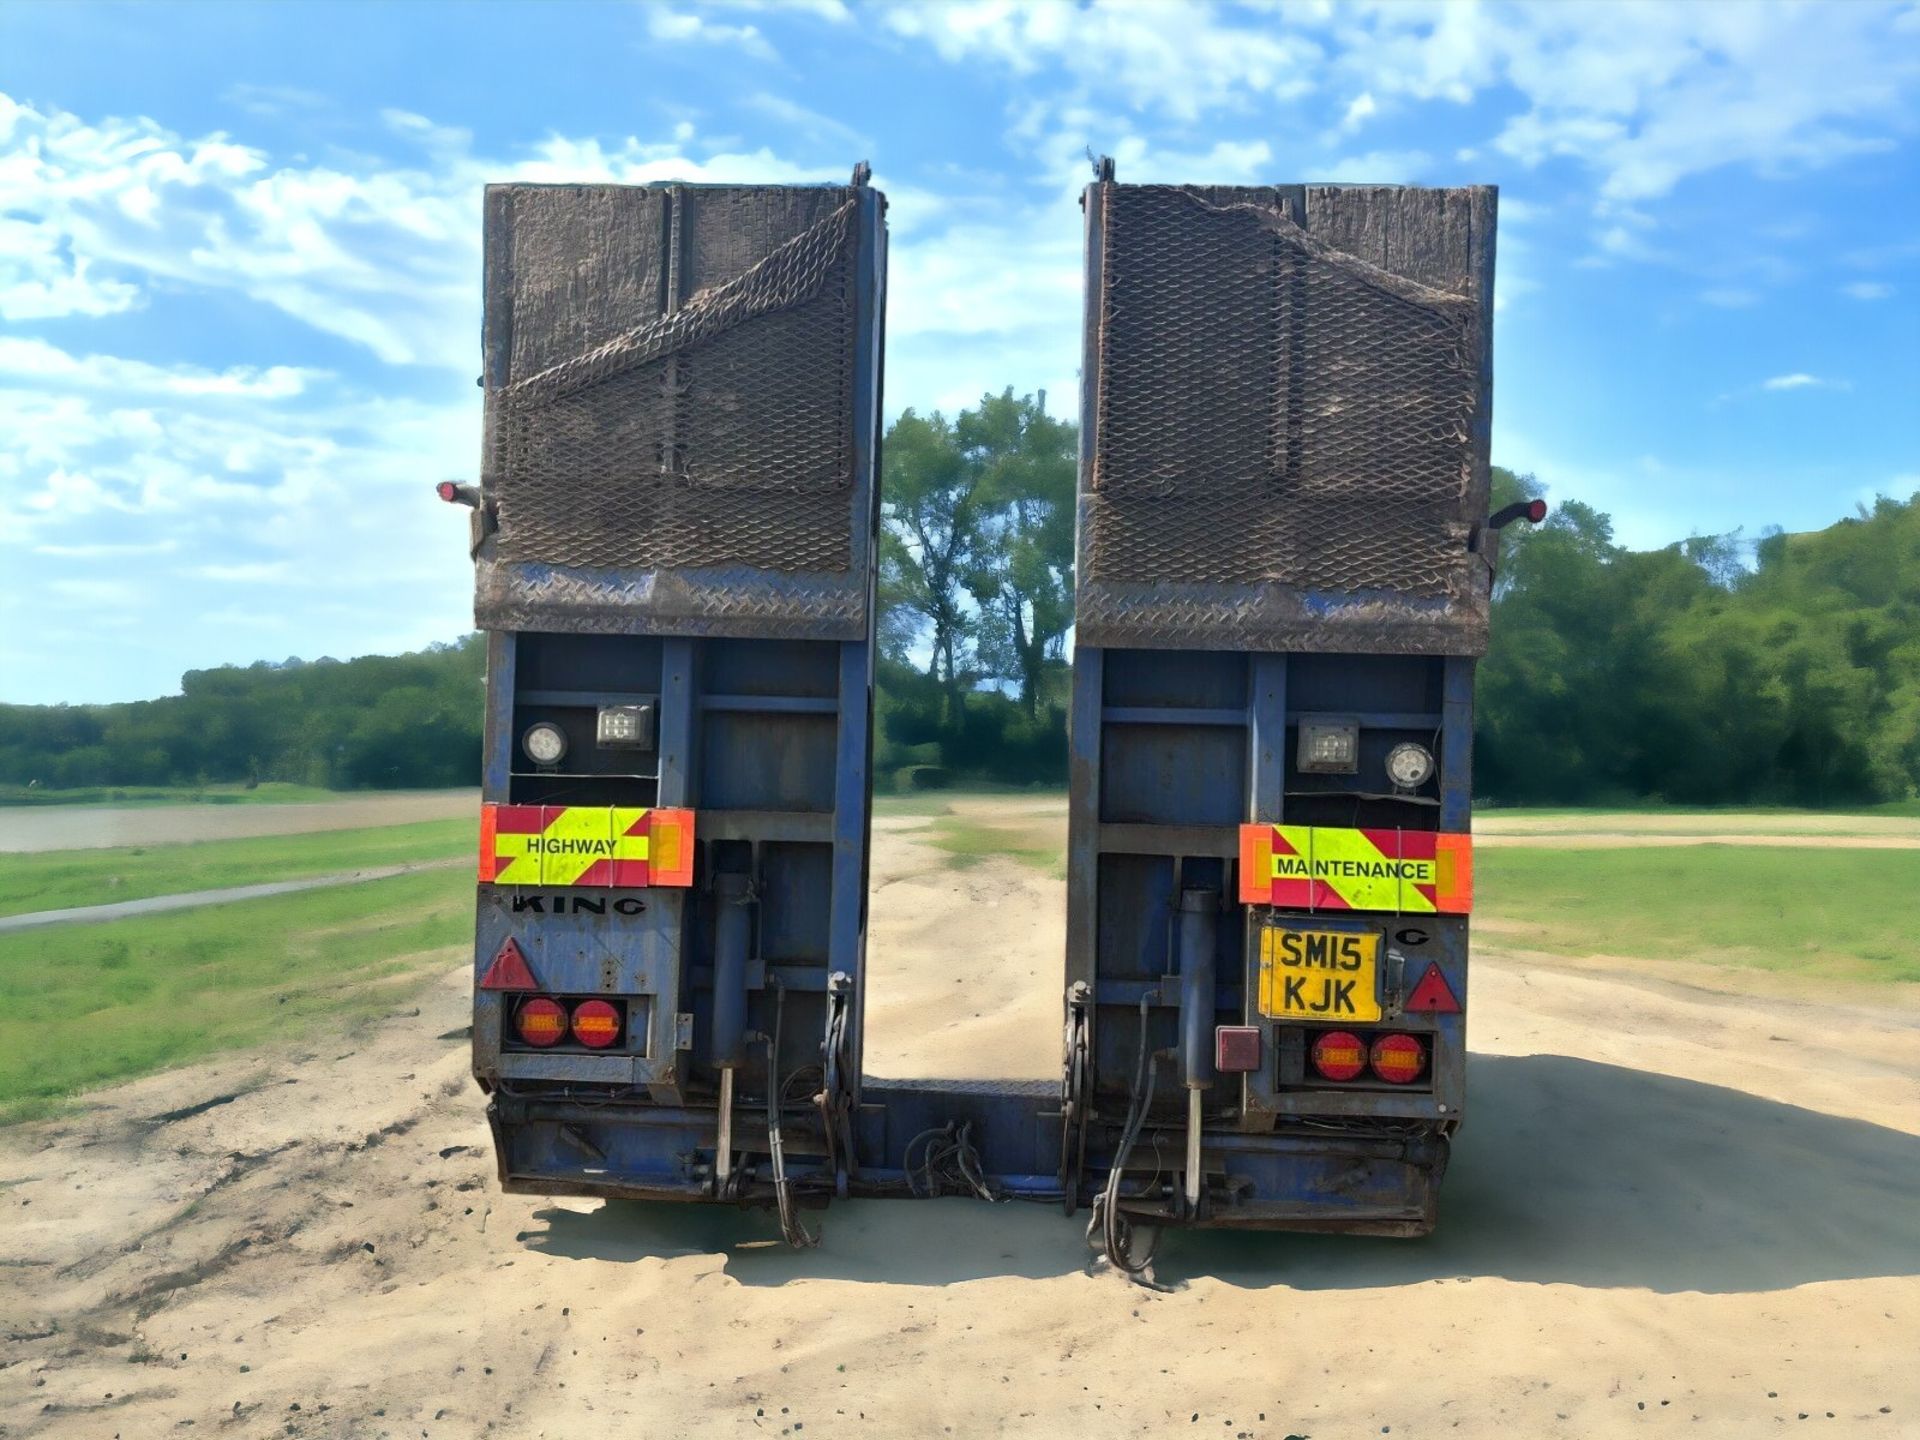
(1686, 1202)
(91, 827)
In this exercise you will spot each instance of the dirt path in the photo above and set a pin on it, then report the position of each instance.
(194, 899)
(1673, 1211)
(92, 827)
(1732, 827)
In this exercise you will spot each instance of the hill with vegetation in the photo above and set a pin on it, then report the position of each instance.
(381, 721)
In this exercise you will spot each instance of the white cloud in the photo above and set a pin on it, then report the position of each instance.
(46, 364)
(1642, 95)
(1624, 242)
(1867, 290)
(686, 26)
(108, 551)
(210, 489)
(269, 102)
(811, 123)
(92, 216)
(1800, 380)
(1376, 167)
(425, 132)
(1184, 60)
(1645, 95)
(250, 572)
(137, 509)
(835, 12)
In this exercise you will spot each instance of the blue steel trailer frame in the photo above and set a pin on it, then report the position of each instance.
(739, 1079)
(1172, 752)
(1185, 717)
(763, 733)
(738, 1075)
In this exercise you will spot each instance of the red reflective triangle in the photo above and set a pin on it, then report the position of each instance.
(1432, 994)
(510, 971)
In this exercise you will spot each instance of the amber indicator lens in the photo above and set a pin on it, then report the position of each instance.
(1338, 1055)
(541, 1022)
(596, 1024)
(1398, 1059)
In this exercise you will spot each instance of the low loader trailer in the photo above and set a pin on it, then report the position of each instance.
(1284, 568)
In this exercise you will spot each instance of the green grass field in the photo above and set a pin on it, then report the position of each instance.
(1851, 914)
(1040, 844)
(56, 879)
(273, 792)
(87, 1005)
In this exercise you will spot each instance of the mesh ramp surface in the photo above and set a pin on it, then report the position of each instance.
(673, 421)
(1289, 446)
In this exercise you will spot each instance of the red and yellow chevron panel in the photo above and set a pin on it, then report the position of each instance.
(1313, 867)
(585, 845)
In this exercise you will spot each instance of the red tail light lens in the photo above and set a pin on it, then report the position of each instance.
(541, 1022)
(1338, 1055)
(596, 1024)
(1399, 1059)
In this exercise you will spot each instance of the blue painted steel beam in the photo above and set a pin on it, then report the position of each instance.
(1456, 744)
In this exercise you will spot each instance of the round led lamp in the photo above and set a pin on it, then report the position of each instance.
(1339, 1055)
(1398, 1059)
(596, 1024)
(545, 743)
(541, 1022)
(1409, 766)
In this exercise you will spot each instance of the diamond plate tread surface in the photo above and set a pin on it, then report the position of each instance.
(745, 604)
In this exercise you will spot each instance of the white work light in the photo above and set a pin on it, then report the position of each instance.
(624, 727)
(545, 743)
(1329, 745)
(1409, 766)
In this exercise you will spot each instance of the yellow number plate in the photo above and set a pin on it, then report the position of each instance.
(1327, 975)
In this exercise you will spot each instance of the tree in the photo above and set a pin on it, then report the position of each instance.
(931, 545)
(1023, 580)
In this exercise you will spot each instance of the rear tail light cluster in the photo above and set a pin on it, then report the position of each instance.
(1341, 1055)
(543, 1022)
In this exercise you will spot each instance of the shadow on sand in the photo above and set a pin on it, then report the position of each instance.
(1568, 1172)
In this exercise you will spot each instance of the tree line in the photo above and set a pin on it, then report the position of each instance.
(378, 722)
(1698, 675)
(1710, 671)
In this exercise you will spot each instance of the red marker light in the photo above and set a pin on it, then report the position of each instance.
(1236, 1048)
(447, 491)
(541, 1022)
(1536, 511)
(1339, 1055)
(596, 1024)
(1398, 1059)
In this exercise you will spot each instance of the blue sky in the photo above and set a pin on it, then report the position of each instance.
(239, 253)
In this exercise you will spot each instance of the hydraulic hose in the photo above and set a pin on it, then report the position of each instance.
(1116, 1231)
(790, 1227)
